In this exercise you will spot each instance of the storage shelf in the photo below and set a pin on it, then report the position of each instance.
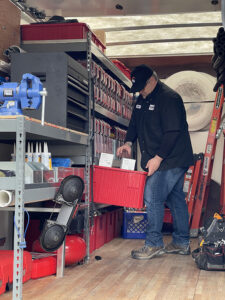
(76, 46)
(34, 127)
(104, 112)
(7, 183)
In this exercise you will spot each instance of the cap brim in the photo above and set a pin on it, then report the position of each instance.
(137, 87)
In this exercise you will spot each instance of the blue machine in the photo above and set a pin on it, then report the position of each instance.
(14, 96)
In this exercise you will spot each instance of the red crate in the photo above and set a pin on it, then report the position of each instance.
(92, 237)
(64, 31)
(110, 226)
(122, 67)
(100, 231)
(118, 187)
(118, 222)
(167, 216)
(3, 278)
(43, 267)
(6, 264)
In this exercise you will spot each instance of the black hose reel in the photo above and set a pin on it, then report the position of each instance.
(69, 195)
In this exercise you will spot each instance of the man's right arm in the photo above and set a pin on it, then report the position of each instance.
(131, 136)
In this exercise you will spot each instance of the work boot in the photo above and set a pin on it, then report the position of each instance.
(147, 252)
(177, 249)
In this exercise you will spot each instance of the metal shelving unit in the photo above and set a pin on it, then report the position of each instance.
(19, 128)
(22, 128)
(76, 46)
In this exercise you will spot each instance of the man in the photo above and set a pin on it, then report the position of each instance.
(159, 123)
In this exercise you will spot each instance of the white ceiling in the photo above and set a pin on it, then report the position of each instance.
(125, 35)
(72, 8)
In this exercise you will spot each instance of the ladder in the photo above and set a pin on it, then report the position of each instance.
(206, 169)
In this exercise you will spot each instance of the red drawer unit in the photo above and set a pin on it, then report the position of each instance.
(64, 31)
(119, 187)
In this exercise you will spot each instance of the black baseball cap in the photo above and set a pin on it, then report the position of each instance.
(139, 77)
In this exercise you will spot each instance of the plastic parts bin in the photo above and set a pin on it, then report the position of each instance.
(122, 68)
(118, 187)
(64, 31)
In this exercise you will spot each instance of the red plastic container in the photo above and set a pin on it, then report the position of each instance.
(167, 216)
(118, 214)
(110, 226)
(92, 237)
(100, 231)
(43, 267)
(3, 278)
(118, 187)
(122, 68)
(6, 265)
(63, 31)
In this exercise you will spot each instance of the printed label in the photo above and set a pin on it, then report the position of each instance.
(218, 99)
(209, 148)
(138, 106)
(205, 166)
(151, 107)
(213, 126)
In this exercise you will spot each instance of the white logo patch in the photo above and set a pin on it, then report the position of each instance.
(151, 107)
(138, 106)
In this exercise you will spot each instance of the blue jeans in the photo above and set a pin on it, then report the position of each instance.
(160, 188)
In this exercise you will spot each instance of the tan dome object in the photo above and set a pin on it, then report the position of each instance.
(196, 89)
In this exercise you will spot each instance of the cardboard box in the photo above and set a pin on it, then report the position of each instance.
(101, 35)
(9, 26)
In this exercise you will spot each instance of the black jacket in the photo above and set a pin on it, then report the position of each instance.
(159, 123)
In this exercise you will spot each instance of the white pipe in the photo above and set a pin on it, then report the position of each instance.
(5, 198)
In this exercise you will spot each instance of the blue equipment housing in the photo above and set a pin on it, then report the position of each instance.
(14, 96)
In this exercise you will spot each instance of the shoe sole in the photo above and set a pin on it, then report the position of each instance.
(177, 252)
(159, 252)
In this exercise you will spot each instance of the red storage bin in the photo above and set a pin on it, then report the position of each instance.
(122, 67)
(63, 31)
(6, 264)
(118, 187)
(100, 231)
(167, 216)
(118, 214)
(110, 226)
(43, 267)
(92, 238)
(3, 278)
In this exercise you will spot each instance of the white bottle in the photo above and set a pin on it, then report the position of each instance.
(36, 154)
(46, 157)
(28, 155)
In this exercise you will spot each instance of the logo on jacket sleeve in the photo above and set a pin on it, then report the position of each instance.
(151, 107)
(138, 106)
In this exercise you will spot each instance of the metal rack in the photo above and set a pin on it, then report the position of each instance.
(19, 128)
(76, 46)
(22, 128)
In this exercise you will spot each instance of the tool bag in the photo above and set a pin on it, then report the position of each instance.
(211, 253)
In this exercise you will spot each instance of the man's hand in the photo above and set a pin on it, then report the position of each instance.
(126, 147)
(153, 164)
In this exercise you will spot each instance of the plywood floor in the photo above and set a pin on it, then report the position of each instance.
(118, 276)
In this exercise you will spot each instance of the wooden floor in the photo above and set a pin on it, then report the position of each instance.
(118, 276)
